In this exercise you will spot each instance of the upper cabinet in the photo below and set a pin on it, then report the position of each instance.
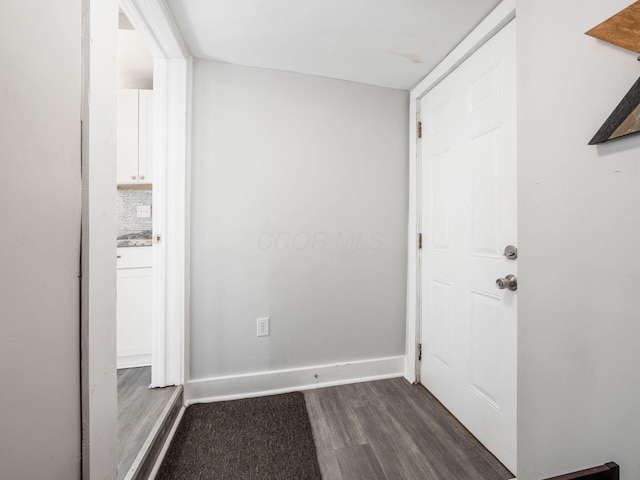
(135, 136)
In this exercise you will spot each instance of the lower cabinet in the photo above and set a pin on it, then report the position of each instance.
(134, 334)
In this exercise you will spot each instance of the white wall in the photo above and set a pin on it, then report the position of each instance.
(579, 269)
(287, 170)
(40, 240)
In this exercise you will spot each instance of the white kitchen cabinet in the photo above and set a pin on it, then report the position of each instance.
(134, 300)
(135, 257)
(135, 137)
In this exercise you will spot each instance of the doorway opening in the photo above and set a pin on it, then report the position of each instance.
(166, 256)
(142, 410)
(134, 174)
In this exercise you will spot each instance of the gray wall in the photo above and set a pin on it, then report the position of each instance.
(579, 308)
(40, 240)
(299, 212)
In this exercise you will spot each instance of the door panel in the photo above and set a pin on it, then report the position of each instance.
(468, 206)
(485, 347)
(486, 188)
(442, 201)
(486, 87)
(442, 302)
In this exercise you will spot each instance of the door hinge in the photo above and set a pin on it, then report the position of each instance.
(419, 129)
(419, 352)
(419, 241)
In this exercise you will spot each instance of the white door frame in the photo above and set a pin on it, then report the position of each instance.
(172, 108)
(504, 13)
(172, 80)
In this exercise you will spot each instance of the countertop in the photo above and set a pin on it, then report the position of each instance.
(140, 238)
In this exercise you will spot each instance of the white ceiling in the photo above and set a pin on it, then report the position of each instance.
(390, 43)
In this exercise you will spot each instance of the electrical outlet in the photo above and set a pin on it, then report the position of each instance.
(263, 327)
(143, 211)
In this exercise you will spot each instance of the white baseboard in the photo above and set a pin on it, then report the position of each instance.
(275, 382)
(134, 361)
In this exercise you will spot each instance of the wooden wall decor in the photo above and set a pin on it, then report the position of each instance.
(624, 120)
(623, 29)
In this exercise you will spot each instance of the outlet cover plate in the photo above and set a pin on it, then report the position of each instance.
(143, 211)
(263, 327)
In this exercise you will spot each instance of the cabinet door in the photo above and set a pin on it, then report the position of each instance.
(127, 171)
(134, 287)
(134, 257)
(145, 136)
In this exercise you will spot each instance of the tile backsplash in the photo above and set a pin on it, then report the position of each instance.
(132, 230)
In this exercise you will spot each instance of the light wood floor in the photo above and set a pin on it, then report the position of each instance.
(139, 408)
(391, 430)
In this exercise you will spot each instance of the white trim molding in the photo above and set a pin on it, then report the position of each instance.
(170, 207)
(98, 257)
(274, 382)
(504, 13)
(153, 19)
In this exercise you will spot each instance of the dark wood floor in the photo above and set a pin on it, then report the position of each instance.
(139, 408)
(391, 430)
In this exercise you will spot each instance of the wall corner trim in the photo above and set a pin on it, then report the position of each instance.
(233, 387)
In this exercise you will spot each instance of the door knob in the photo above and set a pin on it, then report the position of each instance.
(509, 282)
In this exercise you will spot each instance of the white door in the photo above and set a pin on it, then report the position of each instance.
(468, 155)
